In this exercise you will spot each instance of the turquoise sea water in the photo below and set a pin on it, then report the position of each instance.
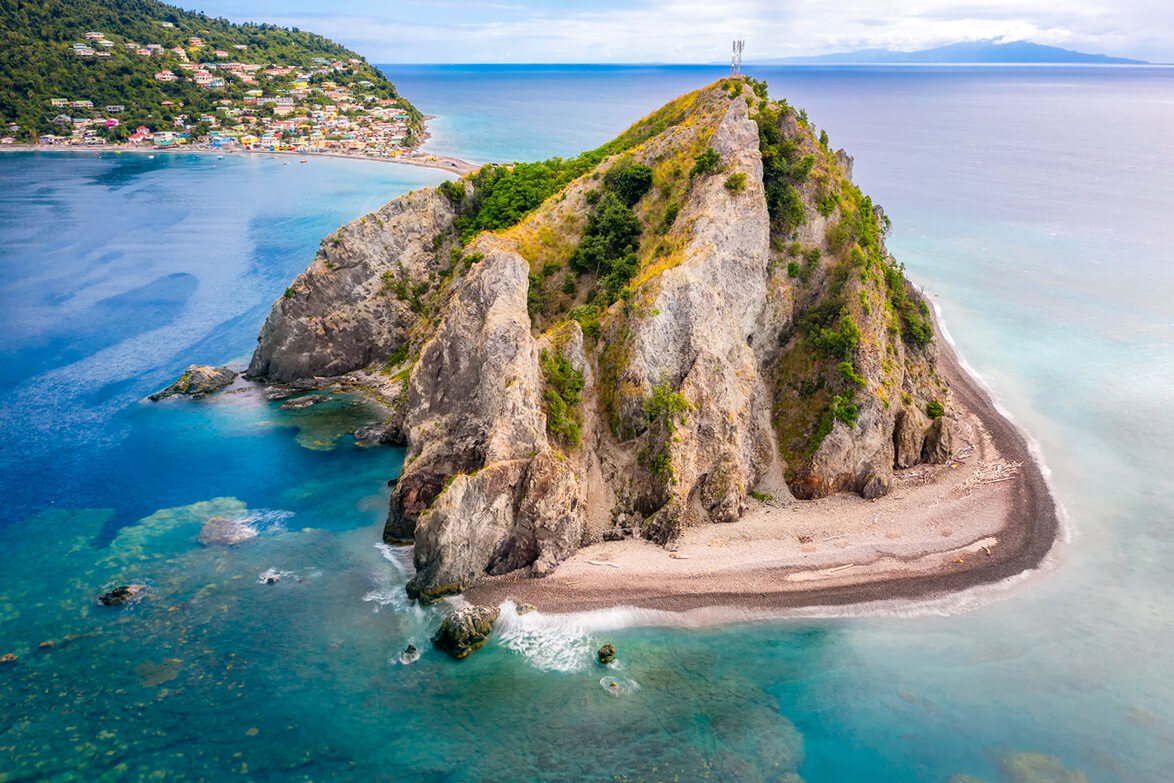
(1030, 203)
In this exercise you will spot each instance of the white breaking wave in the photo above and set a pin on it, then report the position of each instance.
(619, 686)
(1067, 530)
(550, 643)
(389, 590)
(568, 628)
(400, 557)
(264, 520)
(272, 575)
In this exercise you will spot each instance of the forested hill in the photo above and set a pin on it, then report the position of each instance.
(42, 58)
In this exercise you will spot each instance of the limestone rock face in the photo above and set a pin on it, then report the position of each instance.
(475, 393)
(466, 630)
(546, 407)
(697, 335)
(197, 381)
(354, 305)
(480, 491)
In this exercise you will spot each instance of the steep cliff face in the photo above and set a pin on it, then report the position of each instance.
(360, 298)
(702, 308)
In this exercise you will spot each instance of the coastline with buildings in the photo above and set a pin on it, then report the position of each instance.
(191, 94)
(407, 158)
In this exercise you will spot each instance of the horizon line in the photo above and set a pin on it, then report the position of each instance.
(662, 64)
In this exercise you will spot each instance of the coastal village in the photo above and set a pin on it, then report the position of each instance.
(316, 107)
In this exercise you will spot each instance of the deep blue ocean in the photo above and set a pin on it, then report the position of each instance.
(1033, 205)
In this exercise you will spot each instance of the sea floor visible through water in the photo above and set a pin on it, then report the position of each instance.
(1024, 200)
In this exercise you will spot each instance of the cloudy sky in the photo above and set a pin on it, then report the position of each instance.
(691, 31)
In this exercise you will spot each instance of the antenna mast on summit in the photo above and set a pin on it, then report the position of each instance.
(736, 59)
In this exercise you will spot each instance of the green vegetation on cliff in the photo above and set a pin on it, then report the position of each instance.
(783, 169)
(38, 61)
(505, 194)
(818, 379)
(596, 259)
(564, 385)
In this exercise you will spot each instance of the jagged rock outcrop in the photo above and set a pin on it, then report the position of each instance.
(703, 307)
(359, 299)
(123, 594)
(197, 381)
(466, 630)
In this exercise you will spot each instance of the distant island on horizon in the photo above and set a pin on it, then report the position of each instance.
(965, 53)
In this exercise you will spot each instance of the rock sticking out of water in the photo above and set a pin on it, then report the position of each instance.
(607, 653)
(299, 403)
(371, 435)
(123, 594)
(279, 392)
(221, 531)
(465, 630)
(197, 381)
(525, 609)
(8, 658)
(409, 655)
(619, 686)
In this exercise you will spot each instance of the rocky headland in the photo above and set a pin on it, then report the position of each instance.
(196, 382)
(635, 347)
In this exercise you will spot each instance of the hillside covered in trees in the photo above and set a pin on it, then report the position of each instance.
(45, 54)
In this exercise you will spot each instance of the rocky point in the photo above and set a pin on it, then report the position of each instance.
(702, 308)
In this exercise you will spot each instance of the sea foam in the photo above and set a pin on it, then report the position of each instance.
(1067, 531)
(549, 643)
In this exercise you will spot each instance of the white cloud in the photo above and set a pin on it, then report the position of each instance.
(693, 31)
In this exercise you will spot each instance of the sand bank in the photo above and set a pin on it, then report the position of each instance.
(454, 165)
(983, 517)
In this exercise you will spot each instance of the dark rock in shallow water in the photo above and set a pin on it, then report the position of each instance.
(525, 608)
(197, 381)
(465, 630)
(279, 392)
(298, 403)
(221, 531)
(8, 658)
(123, 594)
(607, 653)
(371, 435)
(386, 434)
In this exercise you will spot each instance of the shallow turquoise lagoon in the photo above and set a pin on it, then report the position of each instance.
(1030, 203)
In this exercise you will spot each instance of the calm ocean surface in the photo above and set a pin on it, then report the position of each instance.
(1033, 204)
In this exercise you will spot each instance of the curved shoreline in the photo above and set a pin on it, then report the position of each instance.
(427, 160)
(1029, 529)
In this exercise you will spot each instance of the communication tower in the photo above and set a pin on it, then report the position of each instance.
(736, 59)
